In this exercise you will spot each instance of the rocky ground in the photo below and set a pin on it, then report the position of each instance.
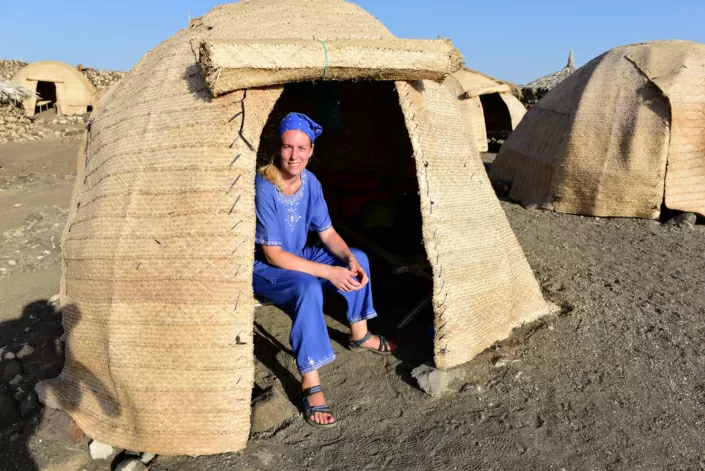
(15, 126)
(614, 382)
(99, 78)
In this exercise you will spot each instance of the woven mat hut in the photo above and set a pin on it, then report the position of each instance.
(489, 107)
(158, 249)
(619, 137)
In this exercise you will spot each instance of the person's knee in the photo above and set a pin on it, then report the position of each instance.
(308, 286)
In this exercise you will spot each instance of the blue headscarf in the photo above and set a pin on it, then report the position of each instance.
(300, 122)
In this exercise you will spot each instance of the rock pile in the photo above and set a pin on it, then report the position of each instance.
(101, 79)
(38, 356)
(14, 123)
(8, 68)
(15, 126)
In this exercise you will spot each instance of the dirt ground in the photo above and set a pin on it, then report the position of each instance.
(614, 382)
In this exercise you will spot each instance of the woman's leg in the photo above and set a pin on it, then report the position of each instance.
(301, 297)
(360, 306)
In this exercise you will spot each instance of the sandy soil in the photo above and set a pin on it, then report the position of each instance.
(614, 382)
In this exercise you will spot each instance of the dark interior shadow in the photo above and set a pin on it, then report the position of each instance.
(21, 414)
(197, 83)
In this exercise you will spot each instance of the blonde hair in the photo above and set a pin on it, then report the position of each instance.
(271, 173)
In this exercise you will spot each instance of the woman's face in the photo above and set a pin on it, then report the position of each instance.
(295, 151)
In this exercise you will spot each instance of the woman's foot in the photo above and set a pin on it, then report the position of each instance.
(374, 341)
(361, 338)
(317, 410)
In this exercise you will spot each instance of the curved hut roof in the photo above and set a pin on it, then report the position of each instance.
(600, 142)
(74, 92)
(159, 245)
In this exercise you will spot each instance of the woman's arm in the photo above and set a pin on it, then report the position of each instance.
(337, 246)
(341, 277)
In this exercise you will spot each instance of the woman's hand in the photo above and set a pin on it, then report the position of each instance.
(358, 272)
(343, 279)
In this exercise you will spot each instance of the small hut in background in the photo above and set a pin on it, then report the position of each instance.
(622, 136)
(488, 106)
(534, 91)
(58, 85)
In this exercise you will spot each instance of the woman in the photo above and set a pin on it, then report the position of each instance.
(289, 203)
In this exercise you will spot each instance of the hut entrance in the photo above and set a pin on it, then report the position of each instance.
(498, 121)
(364, 162)
(47, 95)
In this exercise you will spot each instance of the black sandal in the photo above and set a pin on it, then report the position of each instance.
(356, 345)
(309, 410)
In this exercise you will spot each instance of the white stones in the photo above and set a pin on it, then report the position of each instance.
(437, 382)
(131, 465)
(9, 356)
(16, 380)
(12, 263)
(148, 457)
(100, 451)
(25, 351)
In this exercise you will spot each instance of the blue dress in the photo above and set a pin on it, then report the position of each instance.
(285, 221)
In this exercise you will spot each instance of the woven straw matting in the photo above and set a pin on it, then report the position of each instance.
(158, 248)
(235, 65)
(468, 86)
(620, 136)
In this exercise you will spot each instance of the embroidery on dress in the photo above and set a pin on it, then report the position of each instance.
(292, 203)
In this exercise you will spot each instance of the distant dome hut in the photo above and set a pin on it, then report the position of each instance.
(57, 84)
(622, 136)
(158, 249)
(534, 91)
(488, 106)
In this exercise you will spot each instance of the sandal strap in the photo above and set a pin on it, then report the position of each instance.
(312, 390)
(383, 345)
(358, 343)
(308, 408)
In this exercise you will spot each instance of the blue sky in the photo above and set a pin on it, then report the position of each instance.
(512, 40)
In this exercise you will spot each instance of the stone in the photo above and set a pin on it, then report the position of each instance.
(9, 356)
(25, 351)
(501, 187)
(685, 220)
(29, 404)
(16, 380)
(271, 409)
(438, 382)
(103, 451)
(55, 303)
(12, 263)
(50, 370)
(148, 457)
(12, 369)
(57, 425)
(131, 465)
(73, 132)
(9, 413)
